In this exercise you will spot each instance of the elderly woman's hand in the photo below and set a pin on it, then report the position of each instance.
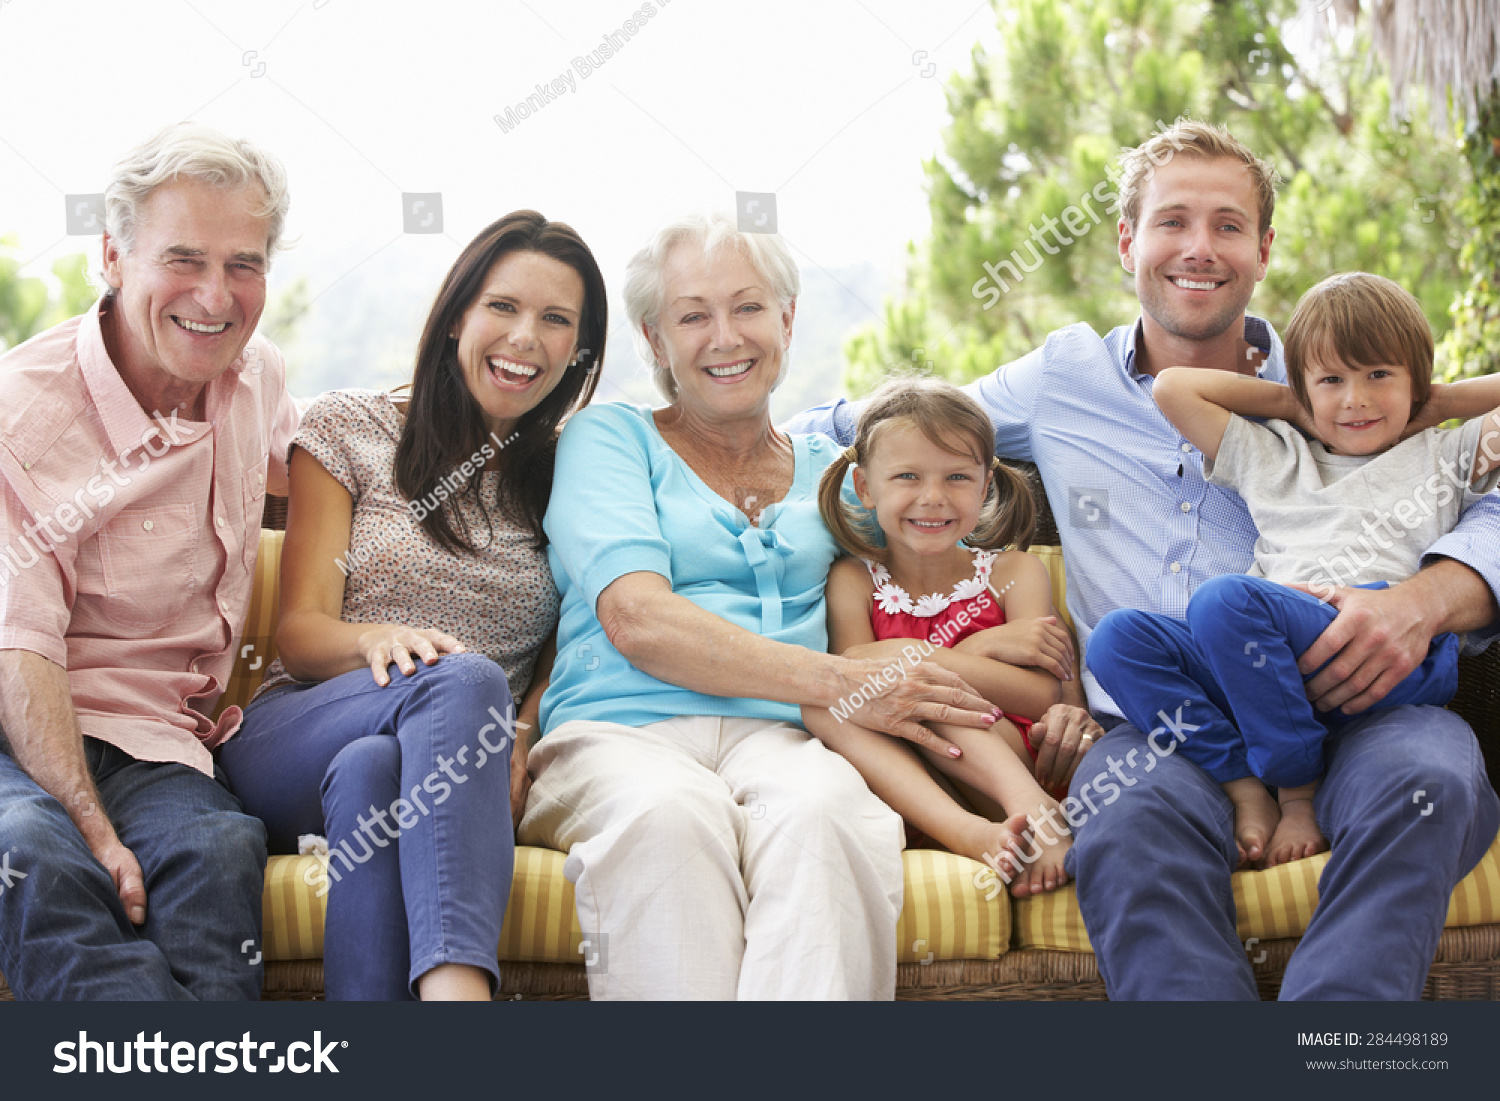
(897, 698)
(1061, 737)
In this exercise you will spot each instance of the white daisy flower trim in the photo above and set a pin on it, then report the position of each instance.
(892, 598)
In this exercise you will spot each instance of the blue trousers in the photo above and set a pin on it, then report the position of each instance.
(1404, 801)
(410, 783)
(63, 931)
(1227, 680)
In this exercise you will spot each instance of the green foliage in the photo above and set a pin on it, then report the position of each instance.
(281, 322)
(1473, 346)
(1036, 131)
(32, 304)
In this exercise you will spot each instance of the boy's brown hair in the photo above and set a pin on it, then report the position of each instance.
(1360, 320)
(1192, 138)
(954, 422)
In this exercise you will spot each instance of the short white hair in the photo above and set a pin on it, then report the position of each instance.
(645, 281)
(187, 150)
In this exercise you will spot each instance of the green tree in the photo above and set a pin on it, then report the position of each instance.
(1452, 47)
(31, 304)
(1473, 345)
(1035, 133)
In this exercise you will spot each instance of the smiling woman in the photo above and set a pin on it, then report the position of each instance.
(414, 541)
(719, 850)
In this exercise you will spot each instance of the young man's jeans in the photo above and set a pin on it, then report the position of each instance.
(64, 933)
(1408, 810)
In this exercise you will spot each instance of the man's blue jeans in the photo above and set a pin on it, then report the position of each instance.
(1405, 803)
(411, 785)
(63, 931)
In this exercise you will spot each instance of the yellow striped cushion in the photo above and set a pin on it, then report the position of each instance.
(949, 914)
(291, 908)
(258, 644)
(541, 921)
(1052, 558)
(1051, 920)
(541, 924)
(945, 913)
(1476, 900)
(1276, 902)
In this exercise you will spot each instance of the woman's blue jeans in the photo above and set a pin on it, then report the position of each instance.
(411, 785)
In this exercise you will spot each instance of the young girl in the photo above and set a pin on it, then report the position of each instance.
(923, 464)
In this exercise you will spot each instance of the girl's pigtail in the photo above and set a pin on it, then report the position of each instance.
(1009, 513)
(842, 522)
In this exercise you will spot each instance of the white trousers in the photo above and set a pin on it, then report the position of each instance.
(720, 858)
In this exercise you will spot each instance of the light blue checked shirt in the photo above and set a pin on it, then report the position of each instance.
(1141, 527)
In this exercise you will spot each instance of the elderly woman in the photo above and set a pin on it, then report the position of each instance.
(718, 850)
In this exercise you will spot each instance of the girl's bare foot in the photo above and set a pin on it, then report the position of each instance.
(1044, 871)
(997, 844)
(1297, 834)
(1255, 817)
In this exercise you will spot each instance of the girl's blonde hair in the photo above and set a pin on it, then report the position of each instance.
(954, 422)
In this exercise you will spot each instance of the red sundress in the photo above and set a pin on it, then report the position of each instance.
(972, 606)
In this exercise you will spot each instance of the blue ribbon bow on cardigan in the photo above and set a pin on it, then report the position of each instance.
(766, 551)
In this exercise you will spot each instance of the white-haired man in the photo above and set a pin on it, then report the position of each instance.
(133, 466)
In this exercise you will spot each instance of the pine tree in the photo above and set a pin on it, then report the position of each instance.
(1024, 234)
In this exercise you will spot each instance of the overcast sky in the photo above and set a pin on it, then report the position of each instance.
(831, 106)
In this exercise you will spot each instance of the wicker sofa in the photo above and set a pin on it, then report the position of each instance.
(960, 935)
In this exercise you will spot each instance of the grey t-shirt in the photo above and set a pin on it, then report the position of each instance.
(1327, 519)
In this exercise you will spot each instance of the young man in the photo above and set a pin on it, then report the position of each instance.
(1142, 528)
(133, 467)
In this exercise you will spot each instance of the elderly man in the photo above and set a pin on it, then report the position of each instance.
(133, 467)
(1142, 528)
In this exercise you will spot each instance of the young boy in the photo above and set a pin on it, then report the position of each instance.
(1355, 505)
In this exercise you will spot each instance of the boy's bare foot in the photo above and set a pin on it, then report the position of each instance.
(1297, 834)
(998, 844)
(1255, 817)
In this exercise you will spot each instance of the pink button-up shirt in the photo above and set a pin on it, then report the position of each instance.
(128, 541)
